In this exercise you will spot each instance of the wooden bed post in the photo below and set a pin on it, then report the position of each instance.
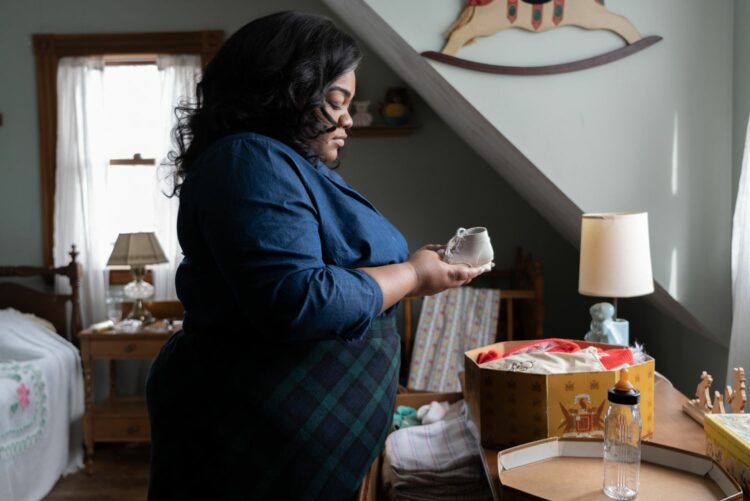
(50, 306)
(74, 276)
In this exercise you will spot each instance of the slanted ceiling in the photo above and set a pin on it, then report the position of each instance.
(480, 134)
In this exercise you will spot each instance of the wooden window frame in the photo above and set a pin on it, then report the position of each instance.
(50, 48)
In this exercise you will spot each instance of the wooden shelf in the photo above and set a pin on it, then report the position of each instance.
(383, 131)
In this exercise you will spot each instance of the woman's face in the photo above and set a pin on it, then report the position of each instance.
(338, 98)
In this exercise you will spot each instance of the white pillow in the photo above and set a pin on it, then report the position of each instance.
(42, 322)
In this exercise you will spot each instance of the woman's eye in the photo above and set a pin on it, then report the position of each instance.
(336, 106)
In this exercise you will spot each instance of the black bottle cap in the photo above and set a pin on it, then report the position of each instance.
(623, 392)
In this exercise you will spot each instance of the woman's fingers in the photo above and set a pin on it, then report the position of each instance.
(439, 248)
(435, 275)
(463, 273)
(466, 274)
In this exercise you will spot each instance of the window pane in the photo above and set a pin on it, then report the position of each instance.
(131, 192)
(131, 102)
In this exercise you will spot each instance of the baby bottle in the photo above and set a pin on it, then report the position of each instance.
(622, 440)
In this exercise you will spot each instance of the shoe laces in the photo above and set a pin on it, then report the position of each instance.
(455, 243)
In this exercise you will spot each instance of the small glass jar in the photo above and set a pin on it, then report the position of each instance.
(622, 441)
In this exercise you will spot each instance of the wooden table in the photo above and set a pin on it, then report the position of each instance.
(118, 418)
(671, 427)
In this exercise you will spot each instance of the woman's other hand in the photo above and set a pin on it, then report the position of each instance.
(435, 275)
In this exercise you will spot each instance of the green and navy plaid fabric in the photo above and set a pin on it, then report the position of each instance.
(292, 421)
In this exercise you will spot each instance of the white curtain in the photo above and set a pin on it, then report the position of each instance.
(178, 76)
(739, 346)
(80, 179)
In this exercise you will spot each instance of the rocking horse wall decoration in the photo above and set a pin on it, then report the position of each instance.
(481, 18)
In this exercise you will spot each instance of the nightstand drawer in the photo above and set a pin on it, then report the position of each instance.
(130, 429)
(126, 348)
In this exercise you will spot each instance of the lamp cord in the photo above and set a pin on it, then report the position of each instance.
(614, 300)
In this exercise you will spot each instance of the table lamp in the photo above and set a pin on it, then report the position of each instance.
(616, 263)
(137, 250)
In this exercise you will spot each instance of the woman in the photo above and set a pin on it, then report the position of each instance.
(282, 383)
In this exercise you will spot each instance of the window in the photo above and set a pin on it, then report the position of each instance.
(50, 48)
(103, 191)
(131, 106)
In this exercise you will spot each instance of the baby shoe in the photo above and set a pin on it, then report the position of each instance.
(432, 412)
(471, 247)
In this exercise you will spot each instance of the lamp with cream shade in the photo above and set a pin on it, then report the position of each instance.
(137, 250)
(615, 262)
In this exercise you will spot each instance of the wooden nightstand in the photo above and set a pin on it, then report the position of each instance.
(118, 418)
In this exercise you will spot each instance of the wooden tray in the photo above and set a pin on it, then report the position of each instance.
(571, 469)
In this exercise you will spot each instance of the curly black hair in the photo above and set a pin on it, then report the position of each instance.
(269, 77)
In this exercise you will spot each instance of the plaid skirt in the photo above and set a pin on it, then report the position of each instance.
(236, 420)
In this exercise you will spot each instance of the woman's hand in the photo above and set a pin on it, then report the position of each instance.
(435, 275)
(423, 274)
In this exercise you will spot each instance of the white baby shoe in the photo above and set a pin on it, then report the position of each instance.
(471, 247)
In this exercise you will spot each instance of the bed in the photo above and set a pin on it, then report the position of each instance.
(41, 382)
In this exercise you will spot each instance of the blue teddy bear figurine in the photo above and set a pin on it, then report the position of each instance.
(602, 326)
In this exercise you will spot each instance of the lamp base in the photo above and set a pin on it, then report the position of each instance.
(605, 329)
(139, 290)
(140, 313)
(621, 332)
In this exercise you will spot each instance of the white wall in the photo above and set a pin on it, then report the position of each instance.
(650, 132)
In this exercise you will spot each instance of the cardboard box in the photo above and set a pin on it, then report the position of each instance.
(511, 408)
(371, 488)
(728, 442)
(572, 469)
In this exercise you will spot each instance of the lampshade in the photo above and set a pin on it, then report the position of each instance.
(615, 255)
(136, 249)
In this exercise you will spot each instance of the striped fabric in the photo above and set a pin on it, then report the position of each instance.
(451, 323)
(436, 461)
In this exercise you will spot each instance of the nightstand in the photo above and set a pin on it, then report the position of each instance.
(118, 418)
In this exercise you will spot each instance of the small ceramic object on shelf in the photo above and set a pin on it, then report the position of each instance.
(396, 110)
(361, 116)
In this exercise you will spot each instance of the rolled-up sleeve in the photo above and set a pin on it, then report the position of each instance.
(262, 229)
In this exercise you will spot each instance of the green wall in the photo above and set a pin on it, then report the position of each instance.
(428, 184)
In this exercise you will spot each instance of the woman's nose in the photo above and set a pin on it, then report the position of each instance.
(345, 120)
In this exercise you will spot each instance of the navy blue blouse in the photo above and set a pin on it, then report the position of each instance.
(271, 244)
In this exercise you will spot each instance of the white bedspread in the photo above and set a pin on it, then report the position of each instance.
(41, 407)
